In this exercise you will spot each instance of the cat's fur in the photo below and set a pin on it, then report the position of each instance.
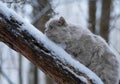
(89, 49)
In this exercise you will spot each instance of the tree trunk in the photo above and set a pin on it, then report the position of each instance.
(33, 74)
(105, 19)
(49, 80)
(44, 15)
(22, 37)
(20, 70)
(92, 15)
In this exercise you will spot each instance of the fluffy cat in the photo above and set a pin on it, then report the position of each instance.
(88, 48)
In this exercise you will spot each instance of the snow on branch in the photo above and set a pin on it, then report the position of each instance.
(34, 45)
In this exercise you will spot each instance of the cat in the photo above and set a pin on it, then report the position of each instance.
(86, 47)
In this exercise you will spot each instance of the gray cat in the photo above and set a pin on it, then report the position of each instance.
(89, 49)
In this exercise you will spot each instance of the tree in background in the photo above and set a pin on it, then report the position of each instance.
(105, 19)
(92, 15)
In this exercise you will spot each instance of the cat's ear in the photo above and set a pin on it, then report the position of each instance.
(61, 21)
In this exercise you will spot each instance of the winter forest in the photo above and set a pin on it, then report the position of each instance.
(102, 17)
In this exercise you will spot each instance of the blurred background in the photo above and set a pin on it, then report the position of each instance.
(102, 17)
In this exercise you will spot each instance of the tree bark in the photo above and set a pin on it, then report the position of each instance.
(44, 15)
(92, 15)
(13, 33)
(49, 80)
(105, 19)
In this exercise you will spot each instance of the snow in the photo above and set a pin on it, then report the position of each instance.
(80, 77)
(56, 50)
(83, 79)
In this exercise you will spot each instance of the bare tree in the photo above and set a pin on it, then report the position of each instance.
(92, 15)
(43, 15)
(5, 76)
(33, 74)
(20, 69)
(105, 19)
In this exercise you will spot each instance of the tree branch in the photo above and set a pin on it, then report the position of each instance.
(5, 76)
(43, 53)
